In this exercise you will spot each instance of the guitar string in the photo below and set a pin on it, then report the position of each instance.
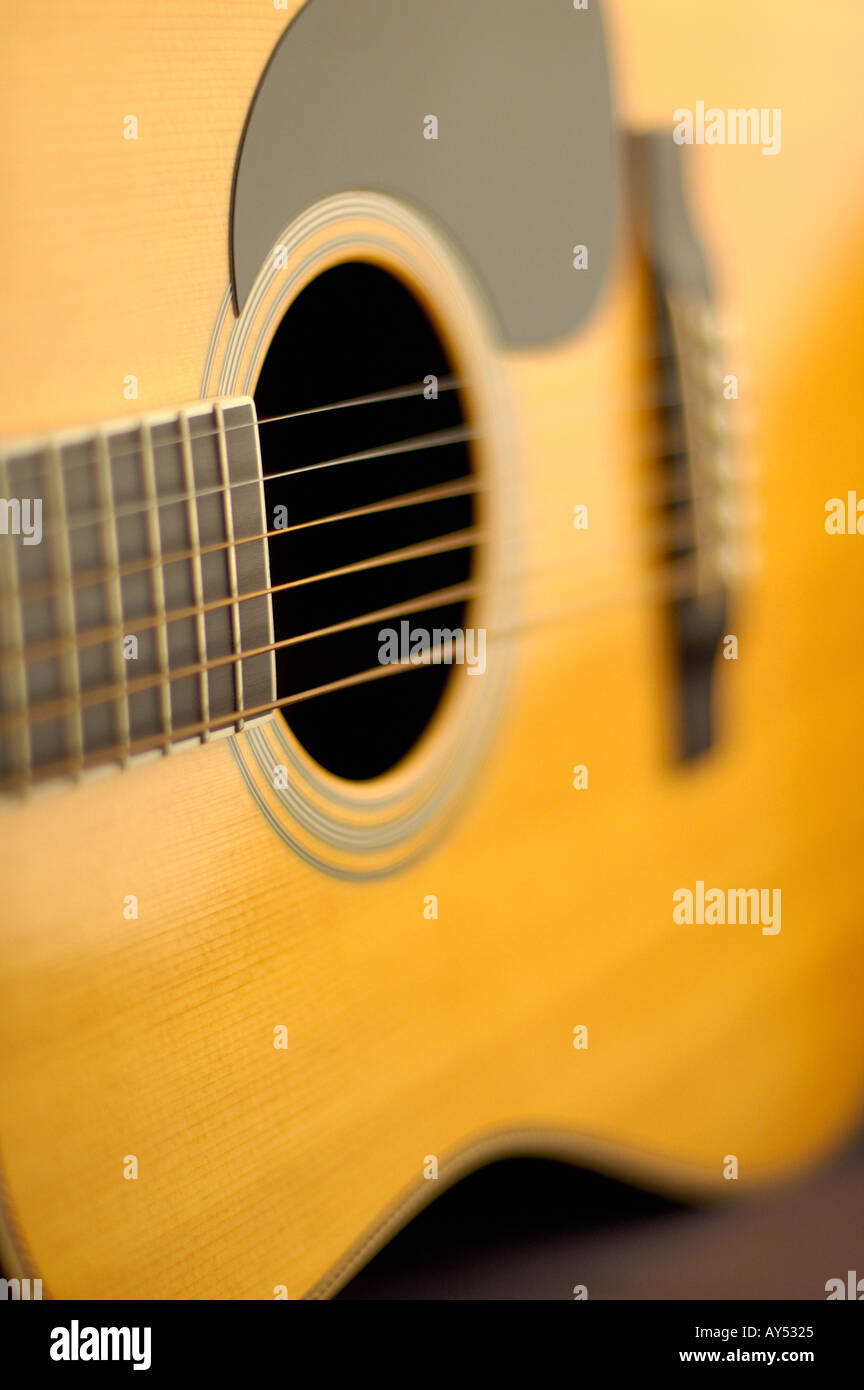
(462, 486)
(62, 706)
(415, 444)
(50, 709)
(666, 446)
(668, 585)
(199, 409)
(645, 400)
(457, 540)
(23, 448)
(672, 531)
(662, 445)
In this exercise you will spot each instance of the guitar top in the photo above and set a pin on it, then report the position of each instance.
(430, 590)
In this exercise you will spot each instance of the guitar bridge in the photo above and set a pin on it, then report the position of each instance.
(696, 444)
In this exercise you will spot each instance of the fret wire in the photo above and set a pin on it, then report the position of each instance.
(114, 590)
(65, 604)
(196, 567)
(16, 679)
(157, 579)
(228, 508)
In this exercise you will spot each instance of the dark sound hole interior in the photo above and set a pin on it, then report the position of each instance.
(357, 331)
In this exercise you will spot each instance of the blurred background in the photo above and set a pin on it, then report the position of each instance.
(531, 1229)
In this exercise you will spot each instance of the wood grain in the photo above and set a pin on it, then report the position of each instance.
(407, 1037)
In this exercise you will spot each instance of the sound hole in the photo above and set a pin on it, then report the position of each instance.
(358, 331)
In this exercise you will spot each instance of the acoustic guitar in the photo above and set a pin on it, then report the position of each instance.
(431, 579)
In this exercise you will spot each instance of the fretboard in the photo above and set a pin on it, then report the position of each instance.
(133, 574)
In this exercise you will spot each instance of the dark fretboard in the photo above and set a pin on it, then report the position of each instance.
(125, 603)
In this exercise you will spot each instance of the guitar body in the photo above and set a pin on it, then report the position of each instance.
(408, 1037)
